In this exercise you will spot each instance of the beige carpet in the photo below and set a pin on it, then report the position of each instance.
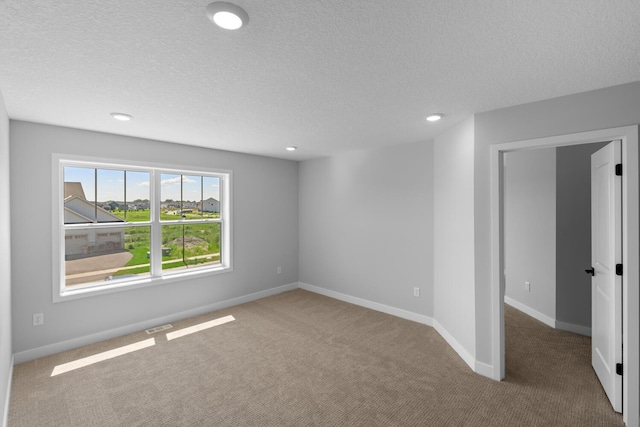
(301, 359)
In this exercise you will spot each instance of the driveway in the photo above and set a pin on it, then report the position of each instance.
(99, 262)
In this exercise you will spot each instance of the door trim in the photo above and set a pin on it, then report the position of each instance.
(630, 252)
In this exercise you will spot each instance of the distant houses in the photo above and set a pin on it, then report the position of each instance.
(174, 208)
(83, 242)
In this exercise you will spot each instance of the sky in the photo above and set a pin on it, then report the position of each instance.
(111, 185)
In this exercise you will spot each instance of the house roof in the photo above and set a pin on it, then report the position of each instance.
(73, 189)
(70, 213)
(89, 212)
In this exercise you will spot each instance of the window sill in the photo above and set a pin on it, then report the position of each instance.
(126, 285)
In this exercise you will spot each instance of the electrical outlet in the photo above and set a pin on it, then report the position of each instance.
(279, 270)
(416, 292)
(527, 286)
(38, 319)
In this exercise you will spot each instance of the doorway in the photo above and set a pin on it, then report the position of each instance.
(548, 234)
(631, 236)
(547, 240)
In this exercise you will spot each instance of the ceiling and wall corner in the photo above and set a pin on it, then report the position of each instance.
(326, 76)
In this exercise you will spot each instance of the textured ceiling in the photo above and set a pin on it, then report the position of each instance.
(324, 75)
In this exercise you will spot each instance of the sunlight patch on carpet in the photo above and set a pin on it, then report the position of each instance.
(199, 327)
(101, 357)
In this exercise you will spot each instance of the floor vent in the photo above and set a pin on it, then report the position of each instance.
(159, 328)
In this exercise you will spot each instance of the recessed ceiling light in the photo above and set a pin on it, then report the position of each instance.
(434, 117)
(291, 148)
(227, 15)
(122, 116)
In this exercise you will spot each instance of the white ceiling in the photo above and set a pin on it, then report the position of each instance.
(324, 75)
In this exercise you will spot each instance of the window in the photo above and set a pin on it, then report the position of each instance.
(134, 225)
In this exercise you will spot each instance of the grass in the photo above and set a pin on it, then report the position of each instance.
(138, 270)
(137, 242)
(145, 215)
(167, 266)
(205, 236)
(139, 255)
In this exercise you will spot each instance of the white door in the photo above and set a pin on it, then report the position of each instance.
(606, 283)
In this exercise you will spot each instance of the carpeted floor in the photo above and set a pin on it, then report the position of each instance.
(301, 359)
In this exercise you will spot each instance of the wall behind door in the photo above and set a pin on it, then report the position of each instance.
(530, 231)
(573, 234)
(548, 234)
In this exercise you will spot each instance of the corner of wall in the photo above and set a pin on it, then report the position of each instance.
(6, 334)
(5, 408)
(454, 234)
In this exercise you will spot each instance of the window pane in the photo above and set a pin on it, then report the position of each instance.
(191, 196)
(170, 196)
(211, 197)
(138, 206)
(98, 254)
(110, 197)
(79, 195)
(190, 245)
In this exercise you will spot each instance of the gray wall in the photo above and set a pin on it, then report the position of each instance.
(573, 233)
(366, 225)
(265, 227)
(454, 269)
(6, 351)
(530, 229)
(599, 109)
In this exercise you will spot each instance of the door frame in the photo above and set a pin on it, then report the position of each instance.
(630, 253)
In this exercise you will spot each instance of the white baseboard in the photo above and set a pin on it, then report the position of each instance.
(456, 346)
(398, 312)
(549, 321)
(478, 367)
(485, 370)
(572, 327)
(25, 356)
(5, 410)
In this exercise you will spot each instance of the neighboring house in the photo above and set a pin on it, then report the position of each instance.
(210, 205)
(78, 210)
(113, 206)
(169, 204)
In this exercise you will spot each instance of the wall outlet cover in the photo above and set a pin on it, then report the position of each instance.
(38, 319)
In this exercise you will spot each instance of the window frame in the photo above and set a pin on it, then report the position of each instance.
(156, 276)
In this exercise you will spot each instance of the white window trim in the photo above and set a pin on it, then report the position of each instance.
(60, 293)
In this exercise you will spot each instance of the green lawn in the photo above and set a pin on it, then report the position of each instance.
(167, 266)
(200, 241)
(145, 215)
(139, 255)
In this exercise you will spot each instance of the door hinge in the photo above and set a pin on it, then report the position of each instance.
(619, 169)
(619, 368)
(619, 269)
